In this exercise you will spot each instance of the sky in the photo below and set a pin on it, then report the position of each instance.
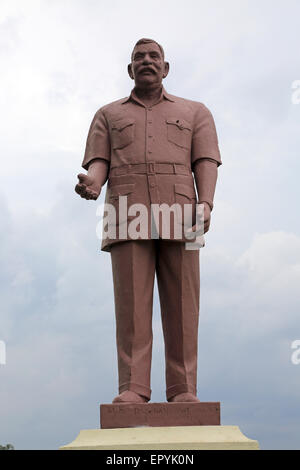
(60, 61)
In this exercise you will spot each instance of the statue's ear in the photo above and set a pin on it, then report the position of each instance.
(129, 68)
(167, 68)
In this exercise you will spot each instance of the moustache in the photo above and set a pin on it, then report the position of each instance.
(147, 69)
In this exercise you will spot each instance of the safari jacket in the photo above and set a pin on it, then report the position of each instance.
(151, 152)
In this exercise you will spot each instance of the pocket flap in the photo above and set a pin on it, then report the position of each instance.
(181, 123)
(121, 189)
(185, 190)
(122, 123)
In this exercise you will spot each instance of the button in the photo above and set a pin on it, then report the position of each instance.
(149, 151)
(149, 109)
(150, 136)
(152, 185)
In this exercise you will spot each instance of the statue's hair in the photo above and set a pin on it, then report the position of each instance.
(147, 41)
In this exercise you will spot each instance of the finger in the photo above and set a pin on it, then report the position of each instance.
(94, 196)
(87, 195)
(95, 192)
(80, 188)
(82, 177)
(91, 193)
(206, 227)
(84, 195)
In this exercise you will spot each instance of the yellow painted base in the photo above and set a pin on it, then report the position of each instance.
(168, 438)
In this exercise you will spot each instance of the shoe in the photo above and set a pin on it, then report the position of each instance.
(130, 397)
(186, 397)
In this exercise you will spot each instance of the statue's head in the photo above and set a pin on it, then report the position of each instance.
(148, 67)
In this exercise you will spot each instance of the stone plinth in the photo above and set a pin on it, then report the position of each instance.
(159, 414)
(163, 438)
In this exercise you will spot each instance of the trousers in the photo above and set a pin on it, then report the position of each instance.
(134, 266)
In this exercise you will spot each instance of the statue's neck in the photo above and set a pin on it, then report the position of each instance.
(149, 96)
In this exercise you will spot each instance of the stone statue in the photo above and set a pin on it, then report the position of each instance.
(150, 148)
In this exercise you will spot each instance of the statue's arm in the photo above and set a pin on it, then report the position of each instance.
(205, 159)
(206, 175)
(96, 159)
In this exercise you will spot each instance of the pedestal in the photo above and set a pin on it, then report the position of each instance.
(163, 438)
(159, 414)
(158, 426)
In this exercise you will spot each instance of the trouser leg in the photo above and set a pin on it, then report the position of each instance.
(178, 280)
(133, 266)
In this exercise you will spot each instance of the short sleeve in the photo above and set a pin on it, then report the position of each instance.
(98, 142)
(205, 140)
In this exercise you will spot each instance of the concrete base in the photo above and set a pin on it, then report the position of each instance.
(166, 438)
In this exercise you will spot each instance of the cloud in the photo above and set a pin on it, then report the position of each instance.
(61, 61)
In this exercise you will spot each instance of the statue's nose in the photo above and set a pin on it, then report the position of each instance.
(147, 60)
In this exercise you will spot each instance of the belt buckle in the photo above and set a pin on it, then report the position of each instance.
(151, 167)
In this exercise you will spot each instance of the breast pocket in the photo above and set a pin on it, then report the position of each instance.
(122, 133)
(185, 199)
(179, 132)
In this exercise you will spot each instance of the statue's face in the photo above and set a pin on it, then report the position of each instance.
(147, 68)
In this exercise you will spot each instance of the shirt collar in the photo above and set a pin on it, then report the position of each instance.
(133, 97)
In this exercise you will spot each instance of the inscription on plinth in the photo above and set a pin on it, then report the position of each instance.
(159, 414)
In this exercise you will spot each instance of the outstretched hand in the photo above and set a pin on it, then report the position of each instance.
(87, 187)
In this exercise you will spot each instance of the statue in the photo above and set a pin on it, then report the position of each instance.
(151, 147)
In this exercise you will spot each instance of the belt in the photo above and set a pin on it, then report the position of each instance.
(151, 167)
